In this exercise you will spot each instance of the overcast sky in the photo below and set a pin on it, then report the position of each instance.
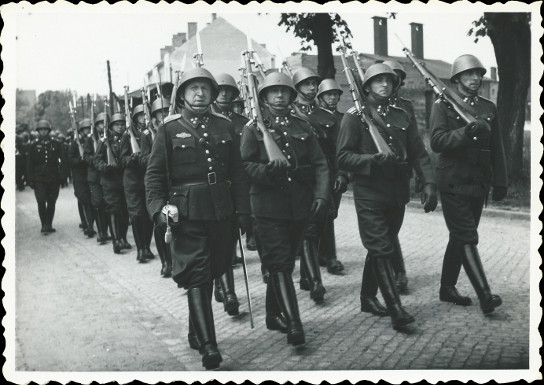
(66, 46)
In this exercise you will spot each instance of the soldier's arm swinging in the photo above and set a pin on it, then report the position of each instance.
(249, 148)
(348, 155)
(156, 185)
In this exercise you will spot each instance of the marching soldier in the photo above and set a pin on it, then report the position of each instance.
(195, 170)
(21, 140)
(471, 159)
(133, 184)
(43, 174)
(381, 186)
(93, 179)
(79, 178)
(111, 179)
(284, 196)
(328, 96)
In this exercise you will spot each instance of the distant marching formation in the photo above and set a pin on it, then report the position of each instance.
(197, 173)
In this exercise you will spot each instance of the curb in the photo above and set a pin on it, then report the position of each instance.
(487, 212)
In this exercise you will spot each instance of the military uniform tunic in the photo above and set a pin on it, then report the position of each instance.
(467, 165)
(44, 164)
(203, 176)
(79, 174)
(133, 177)
(93, 175)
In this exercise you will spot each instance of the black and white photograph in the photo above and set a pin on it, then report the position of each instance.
(285, 192)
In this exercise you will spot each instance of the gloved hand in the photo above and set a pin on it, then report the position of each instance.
(382, 159)
(244, 222)
(134, 159)
(318, 210)
(340, 184)
(429, 199)
(499, 193)
(277, 166)
(64, 183)
(478, 127)
(30, 184)
(160, 220)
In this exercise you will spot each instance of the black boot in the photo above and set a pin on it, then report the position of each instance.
(138, 238)
(251, 243)
(201, 315)
(235, 258)
(147, 233)
(83, 221)
(313, 272)
(274, 319)
(386, 282)
(287, 300)
(166, 271)
(218, 291)
(369, 289)
(123, 229)
(191, 337)
(42, 212)
(399, 269)
(475, 272)
(451, 267)
(327, 250)
(50, 215)
(114, 226)
(101, 225)
(230, 301)
(89, 218)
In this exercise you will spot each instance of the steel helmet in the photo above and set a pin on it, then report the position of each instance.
(397, 67)
(100, 117)
(137, 110)
(304, 73)
(196, 73)
(85, 123)
(43, 124)
(465, 63)
(227, 81)
(117, 117)
(329, 85)
(278, 79)
(379, 69)
(159, 104)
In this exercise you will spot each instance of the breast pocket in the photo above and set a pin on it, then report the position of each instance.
(183, 150)
(299, 141)
(223, 144)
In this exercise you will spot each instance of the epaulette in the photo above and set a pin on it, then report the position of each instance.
(294, 115)
(486, 99)
(353, 111)
(324, 109)
(397, 108)
(406, 100)
(220, 116)
(146, 131)
(170, 118)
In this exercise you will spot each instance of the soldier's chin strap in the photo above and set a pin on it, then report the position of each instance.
(197, 110)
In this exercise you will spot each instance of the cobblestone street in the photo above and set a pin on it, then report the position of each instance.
(82, 308)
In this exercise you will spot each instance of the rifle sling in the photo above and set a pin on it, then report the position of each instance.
(382, 127)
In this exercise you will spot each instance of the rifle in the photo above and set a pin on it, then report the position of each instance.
(377, 138)
(74, 127)
(198, 56)
(172, 109)
(245, 278)
(147, 113)
(133, 141)
(109, 153)
(439, 88)
(94, 134)
(284, 65)
(355, 57)
(272, 150)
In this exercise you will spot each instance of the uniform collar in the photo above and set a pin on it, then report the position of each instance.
(195, 118)
(471, 100)
(228, 113)
(306, 108)
(383, 109)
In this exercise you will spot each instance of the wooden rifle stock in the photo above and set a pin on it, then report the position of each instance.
(147, 114)
(109, 153)
(94, 134)
(133, 141)
(74, 127)
(172, 109)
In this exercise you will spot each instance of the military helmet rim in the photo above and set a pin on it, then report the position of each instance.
(159, 104)
(379, 69)
(327, 85)
(43, 124)
(396, 66)
(227, 80)
(194, 74)
(465, 63)
(117, 117)
(304, 73)
(84, 123)
(100, 117)
(277, 79)
(137, 110)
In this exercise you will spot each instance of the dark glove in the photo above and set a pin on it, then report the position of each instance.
(499, 193)
(382, 159)
(244, 222)
(340, 184)
(319, 209)
(428, 197)
(30, 184)
(277, 166)
(64, 183)
(134, 159)
(478, 127)
(160, 220)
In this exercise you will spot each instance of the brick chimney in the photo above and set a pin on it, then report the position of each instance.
(191, 30)
(214, 17)
(380, 35)
(493, 73)
(417, 40)
(166, 50)
(178, 39)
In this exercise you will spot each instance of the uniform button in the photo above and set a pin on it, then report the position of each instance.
(286, 144)
(207, 151)
(205, 134)
(388, 125)
(475, 138)
(223, 141)
(283, 151)
(391, 137)
(182, 146)
(209, 159)
(458, 118)
(210, 168)
(403, 128)
(471, 103)
(489, 119)
(289, 179)
(285, 133)
(203, 126)
(288, 156)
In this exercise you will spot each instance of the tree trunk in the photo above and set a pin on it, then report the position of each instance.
(511, 38)
(322, 31)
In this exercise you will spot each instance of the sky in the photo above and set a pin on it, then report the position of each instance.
(63, 46)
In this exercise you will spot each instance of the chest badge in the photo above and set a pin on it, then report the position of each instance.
(183, 135)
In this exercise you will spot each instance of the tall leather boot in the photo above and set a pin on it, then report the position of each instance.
(313, 273)
(83, 222)
(274, 319)
(50, 215)
(235, 258)
(89, 218)
(230, 301)
(161, 249)
(399, 269)
(251, 243)
(114, 227)
(451, 267)
(191, 336)
(327, 250)
(369, 290)
(137, 233)
(287, 300)
(386, 282)
(147, 234)
(476, 275)
(201, 315)
(42, 212)
(218, 291)
(101, 225)
(123, 229)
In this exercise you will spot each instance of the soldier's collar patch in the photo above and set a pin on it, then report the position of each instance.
(183, 135)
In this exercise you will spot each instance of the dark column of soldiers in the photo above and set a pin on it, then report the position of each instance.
(202, 174)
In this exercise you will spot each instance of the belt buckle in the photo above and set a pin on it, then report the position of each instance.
(212, 178)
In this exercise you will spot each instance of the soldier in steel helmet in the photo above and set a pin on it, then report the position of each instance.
(93, 179)
(43, 174)
(159, 110)
(111, 179)
(79, 177)
(471, 160)
(133, 184)
(195, 181)
(381, 186)
(21, 140)
(285, 194)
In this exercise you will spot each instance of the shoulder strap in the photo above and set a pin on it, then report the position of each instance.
(398, 146)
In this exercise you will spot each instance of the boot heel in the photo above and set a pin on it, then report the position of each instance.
(295, 334)
(211, 358)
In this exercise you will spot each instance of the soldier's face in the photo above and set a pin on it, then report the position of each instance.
(198, 93)
(277, 96)
(381, 86)
(470, 80)
(99, 127)
(43, 132)
(140, 118)
(308, 87)
(86, 131)
(331, 98)
(160, 115)
(118, 127)
(226, 95)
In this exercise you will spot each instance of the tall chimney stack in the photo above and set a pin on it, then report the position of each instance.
(380, 35)
(417, 40)
(214, 16)
(191, 30)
